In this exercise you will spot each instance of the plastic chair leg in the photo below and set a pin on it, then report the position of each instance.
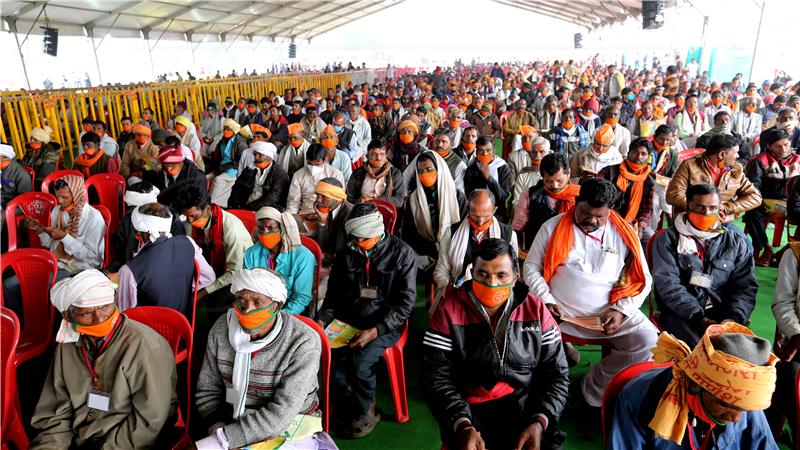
(16, 433)
(397, 379)
(778, 234)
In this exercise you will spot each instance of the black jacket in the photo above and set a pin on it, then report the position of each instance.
(392, 270)
(473, 179)
(729, 263)
(396, 197)
(190, 174)
(275, 189)
(460, 353)
(539, 212)
(332, 238)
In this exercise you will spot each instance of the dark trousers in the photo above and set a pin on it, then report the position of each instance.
(685, 330)
(354, 368)
(784, 403)
(500, 423)
(754, 225)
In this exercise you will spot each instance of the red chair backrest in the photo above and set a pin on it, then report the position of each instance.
(175, 329)
(614, 388)
(389, 213)
(312, 245)
(57, 175)
(110, 188)
(194, 294)
(248, 218)
(37, 205)
(32, 173)
(9, 327)
(325, 370)
(503, 118)
(107, 219)
(36, 271)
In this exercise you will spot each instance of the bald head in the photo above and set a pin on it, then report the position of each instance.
(481, 206)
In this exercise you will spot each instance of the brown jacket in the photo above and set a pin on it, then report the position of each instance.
(737, 193)
(133, 157)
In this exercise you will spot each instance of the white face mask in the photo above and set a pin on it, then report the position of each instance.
(315, 170)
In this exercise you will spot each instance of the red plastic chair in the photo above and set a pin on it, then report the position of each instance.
(12, 429)
(389, 213)
(57, 175)
(248, 218)
(603, 343)
(172, 326)
(614, 387)
(110, 188)
(312, 246)
(37, 205)
(36, 271)
(654, 317)
(325, 370)
(32, 173)
(107, 219)
(503, 118)
(395, 366)
(194, 295)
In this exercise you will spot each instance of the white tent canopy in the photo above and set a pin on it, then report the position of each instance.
(587, 13)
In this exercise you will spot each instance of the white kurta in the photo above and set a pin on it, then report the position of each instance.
(87, 248)
(592, 266)
(301, 190)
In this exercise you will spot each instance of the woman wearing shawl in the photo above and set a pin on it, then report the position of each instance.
(255, 346)
(378, 179)
(278, 248)
(407, 144)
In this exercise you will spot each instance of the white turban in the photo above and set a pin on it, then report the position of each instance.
(87, 289)
(154, 225)
(7, 151)
(290, 232)
(265, 148)
(261, 281)
(137, 199)
(367, 226)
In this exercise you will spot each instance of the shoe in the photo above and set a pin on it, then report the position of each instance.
(572, 353)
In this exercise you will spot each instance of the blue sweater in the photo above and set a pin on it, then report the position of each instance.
(297, 269)
(637, 403)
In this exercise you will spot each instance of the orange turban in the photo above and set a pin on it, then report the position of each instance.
(604, 135)
(408, 123)
(329, 130)
(526, 130)
(142, 129)
(295, 128)
(256, 128)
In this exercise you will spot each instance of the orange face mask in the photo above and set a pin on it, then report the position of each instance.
(568, 124)
(636, 167)
(251, 109)
(91, 151)
(435, 104)
(428, 179)
(227, 134)
(703, 222)
(468, 146)
(263, 164)
(270, 240)
(296, 143)
(368, 244)
(180, 128)
(527, 145)
(750, 108)
(141, 140)
(479, 228)
(536, 162)
(679, 103)
(691, 109)
(328, 143)
(613, 121)
(127, 128)
(87, 128)
(4, 164)
(586, 95)
(454, 123)
(375, 163)
(406, 138)
(200, 222)
(491, 296)
(69, 208)
(324, 209)
(716, 101)
(485, 159)
(36, 145)
(659, 146)
(255, 319)
(174, 171)
(101, 329)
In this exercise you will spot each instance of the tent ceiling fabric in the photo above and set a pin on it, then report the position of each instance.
(199, 18)
(586, 13)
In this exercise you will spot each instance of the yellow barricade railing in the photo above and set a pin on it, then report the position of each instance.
(63, 109)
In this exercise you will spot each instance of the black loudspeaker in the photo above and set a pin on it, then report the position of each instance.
(50, 41)
(292, 50)
(578, 40)
(652, 14)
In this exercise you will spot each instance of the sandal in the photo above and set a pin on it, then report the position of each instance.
(363, 425)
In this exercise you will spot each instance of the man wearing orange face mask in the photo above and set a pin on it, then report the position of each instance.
(262, 183)
(520, 158)
(406, 144)
(126, 135)
(41, 152)
(93, 160)
(530, 175)
(87, 125)
(372, 287)
(590, 161)
(443, 146)
(335, 157)
(293, 155)
(716, 105)
(703, 273)
(466, 148)
(83, 404)
(485, 121)
(747, 121)
(15, 179)
(377, 179)
(488, 171)
(494, 371)
(691, 122)
(140, 154)
(511, 127)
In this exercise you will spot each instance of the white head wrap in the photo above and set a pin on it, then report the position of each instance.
(367, 226)
(290, 232)
(261, 281)
(137, 199)
(153, 225)
(87, 289)
(265, 148)
(7, 151)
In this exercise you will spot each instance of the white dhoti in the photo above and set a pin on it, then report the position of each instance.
(221, 187)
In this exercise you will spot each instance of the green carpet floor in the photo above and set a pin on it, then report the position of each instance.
(581, 425)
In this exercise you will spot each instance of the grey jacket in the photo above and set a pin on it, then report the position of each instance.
(283, 382)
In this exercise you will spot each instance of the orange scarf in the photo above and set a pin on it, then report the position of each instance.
(86, 162)
(631, 282)
(623, 180)
(565, 198)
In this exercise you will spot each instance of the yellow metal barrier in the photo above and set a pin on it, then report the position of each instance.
(63, 109)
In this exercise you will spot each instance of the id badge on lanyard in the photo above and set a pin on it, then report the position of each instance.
(368, 292)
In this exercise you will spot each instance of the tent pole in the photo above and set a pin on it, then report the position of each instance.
(13, 25)
(755, 46)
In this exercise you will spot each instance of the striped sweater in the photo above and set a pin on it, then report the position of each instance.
(283, 382)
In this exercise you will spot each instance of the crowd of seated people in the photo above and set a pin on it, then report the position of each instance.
(533, 206)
